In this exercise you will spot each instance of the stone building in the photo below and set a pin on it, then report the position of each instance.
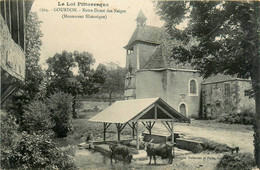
(152, 73)
(12, 44)
(225, 94)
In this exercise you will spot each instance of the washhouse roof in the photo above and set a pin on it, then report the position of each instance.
(132, 110)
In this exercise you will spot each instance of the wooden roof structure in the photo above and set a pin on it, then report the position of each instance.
(131, 112)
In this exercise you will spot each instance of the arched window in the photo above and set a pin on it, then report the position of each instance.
(183, 109)
(193, 87)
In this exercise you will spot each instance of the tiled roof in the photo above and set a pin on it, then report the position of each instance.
(219, 78)
(161, 59)
(146, 33)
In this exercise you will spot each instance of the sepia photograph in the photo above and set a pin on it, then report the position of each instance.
(130, 84)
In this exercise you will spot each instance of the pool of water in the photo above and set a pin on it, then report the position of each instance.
(89, 159)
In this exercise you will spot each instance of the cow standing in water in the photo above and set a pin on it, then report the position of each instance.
(163, 150)
(122, 150)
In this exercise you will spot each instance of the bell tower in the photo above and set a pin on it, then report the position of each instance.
(141, 19)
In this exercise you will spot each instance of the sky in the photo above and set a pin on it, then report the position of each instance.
(105, 39)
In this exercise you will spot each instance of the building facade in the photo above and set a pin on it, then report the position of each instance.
(12, 44)
(225, 94)
(152, 73)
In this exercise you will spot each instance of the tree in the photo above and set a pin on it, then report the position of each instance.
(62, 78)
(114, 78)
(60, 106)
(33, 72)
(37, 118)
(227, 41)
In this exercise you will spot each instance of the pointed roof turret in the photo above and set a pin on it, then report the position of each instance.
(141, 19)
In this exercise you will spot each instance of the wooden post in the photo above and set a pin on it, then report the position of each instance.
(172, 130)
(133, 123)
(155, 112)
(137, 136)
(118, 135)
(104, 137)
(118, 126)
(18, 23)
(150, 128)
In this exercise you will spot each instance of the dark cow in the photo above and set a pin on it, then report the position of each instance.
(120, 150)
(163, 150)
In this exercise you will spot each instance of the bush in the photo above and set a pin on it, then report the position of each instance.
(34, 151)
(60, 105)
(37, 118)
(9, 131)
(246, 117)
(238, 161)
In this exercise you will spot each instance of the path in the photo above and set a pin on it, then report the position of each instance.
(232, 135)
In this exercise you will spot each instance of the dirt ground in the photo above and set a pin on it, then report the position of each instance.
(231, 134)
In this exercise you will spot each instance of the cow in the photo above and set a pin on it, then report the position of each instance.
(163, 150)
(121, 150)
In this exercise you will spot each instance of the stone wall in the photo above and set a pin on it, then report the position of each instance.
(217, 99)
(12, 55)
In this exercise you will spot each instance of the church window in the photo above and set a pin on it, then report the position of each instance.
(193, 87)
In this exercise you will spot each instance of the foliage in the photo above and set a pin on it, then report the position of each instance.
(220, 37)
(62, 76)
(114, 79)
(33, 74)
(238, 161)
(220, 29)
(60, 105)
(9, 131)
(37, 118)
(247, 117)
(36, 152)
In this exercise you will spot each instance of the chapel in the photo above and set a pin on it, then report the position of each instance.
(153, 73)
